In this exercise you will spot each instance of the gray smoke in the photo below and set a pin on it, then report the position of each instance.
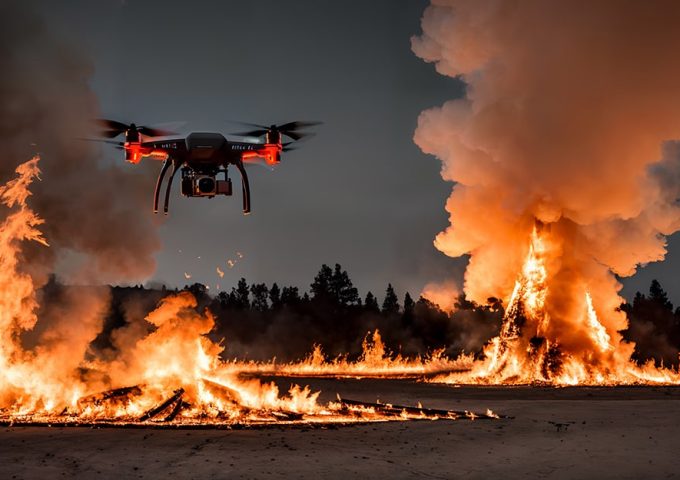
(98, 219)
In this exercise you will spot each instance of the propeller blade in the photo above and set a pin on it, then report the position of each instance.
(297, 135)
(297, 125)
(289, 129)
(113, 128)
(100, 140)
(111, 133)
(255, 125)
(155, 132)
(293, 135)
(252, 133)
(111, 124)
(286, 147)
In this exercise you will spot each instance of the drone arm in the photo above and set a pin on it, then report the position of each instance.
(245, 187)
(159, 182)
(167, 188)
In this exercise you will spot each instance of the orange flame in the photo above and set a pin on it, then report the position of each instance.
(533, 347)
(375, 361)
(173, 374)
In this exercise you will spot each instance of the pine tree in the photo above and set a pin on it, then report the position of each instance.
(371, 303)
(409, 304)
(653, 327)
(290, 296)
(659, 296)
(391, 303)
(341, 287)
(260, 294)
(198, 290)
(223, 298)
(321, 287)
(275, 296)
(241, 295)
(409, 308)
(334, 286)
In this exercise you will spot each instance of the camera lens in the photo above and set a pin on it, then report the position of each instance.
(206, 185)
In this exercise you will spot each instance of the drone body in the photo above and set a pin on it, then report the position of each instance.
(202, 157)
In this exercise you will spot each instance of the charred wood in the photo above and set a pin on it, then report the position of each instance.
(149, 414)
(396, 410)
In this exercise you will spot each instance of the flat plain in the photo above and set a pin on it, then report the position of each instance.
(555, 433)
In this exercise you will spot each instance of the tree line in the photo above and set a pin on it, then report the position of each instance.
(261, 321)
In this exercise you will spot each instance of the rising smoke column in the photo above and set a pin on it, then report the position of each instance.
(99, 217)
(567, 122)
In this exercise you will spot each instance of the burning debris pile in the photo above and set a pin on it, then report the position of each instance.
(170, 376)
(528, 349)
(565, 131)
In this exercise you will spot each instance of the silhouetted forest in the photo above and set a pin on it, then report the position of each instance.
(260, 321)
(654, 326)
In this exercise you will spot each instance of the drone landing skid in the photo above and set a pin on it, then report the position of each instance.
(197, 184)
(157, 191)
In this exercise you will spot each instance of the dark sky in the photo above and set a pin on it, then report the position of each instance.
(360, 193)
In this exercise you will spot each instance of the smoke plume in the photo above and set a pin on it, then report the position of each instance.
(97, 218)
(566, 123)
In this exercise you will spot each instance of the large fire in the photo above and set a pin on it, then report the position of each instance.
(536, 344)
(533, 347)
(173, 375)
(568, 125)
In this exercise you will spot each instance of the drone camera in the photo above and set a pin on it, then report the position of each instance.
(205, 186)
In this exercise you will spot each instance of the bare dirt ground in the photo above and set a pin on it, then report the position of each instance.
(579, 433)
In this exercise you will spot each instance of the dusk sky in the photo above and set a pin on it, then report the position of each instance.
(360, 193)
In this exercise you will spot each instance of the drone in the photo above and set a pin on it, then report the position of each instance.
(202, 157)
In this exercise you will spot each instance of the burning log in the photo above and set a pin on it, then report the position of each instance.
(177, 397)
(228, 395)
(399, 410)
(287, 415)
(117, 395)
(223, 392)
(175, 410)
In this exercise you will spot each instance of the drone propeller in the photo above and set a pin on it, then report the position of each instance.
(112, 128)
(290, 129)
(117, 145)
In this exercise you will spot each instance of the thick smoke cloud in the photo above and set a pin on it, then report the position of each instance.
(97, 218)
(565, 119)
